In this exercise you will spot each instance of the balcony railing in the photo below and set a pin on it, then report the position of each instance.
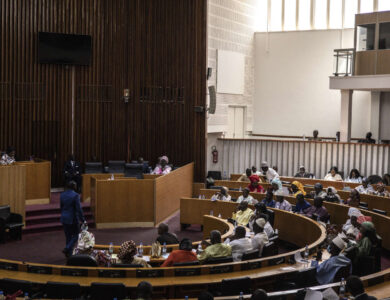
(343, 62)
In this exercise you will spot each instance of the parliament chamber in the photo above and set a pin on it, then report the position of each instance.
(174, 149)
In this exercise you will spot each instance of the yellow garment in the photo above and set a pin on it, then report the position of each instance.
(216, 250)
(243, 217)
(301, 190)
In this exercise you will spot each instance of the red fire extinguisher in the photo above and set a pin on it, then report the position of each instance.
(214, 152)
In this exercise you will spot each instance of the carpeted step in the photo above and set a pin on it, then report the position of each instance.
(47, 227)
(37, 210)
(50, 218)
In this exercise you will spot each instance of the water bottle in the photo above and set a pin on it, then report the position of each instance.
(111, 249)
(164, 249)
(240, 189)
(304, 137)
(150, 170)
(306, 254)
(224, 175)
(1, 295)
(211, 213)
(241, 297)
(200, 249)
(203, 197)
(26, 297)
(186, 297)
(342, 289)
(141, 249)
(112, 177)
(200, 197)
(219, 216)
(84, 226)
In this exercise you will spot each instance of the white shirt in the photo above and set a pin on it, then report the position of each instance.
(336, 177)
(362, 190)
(267, 228)
(218, 196)
(258, 241)
(239, 247)
(271, 174)
(354, 180)
(284, 205)
(250, 199)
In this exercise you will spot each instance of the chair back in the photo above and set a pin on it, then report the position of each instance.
(82, 260)
(93, 167)
(5, 212)
(134, 170)
(219, 260)
(187, 263)
(216, 175)
(62, 290)
(231, 287)
(116, 166)
(269, 249)
(253, 254)
(343, 272)
(107, 291)
(11, 286)
(306, 278)
(363, 204)
(127, 266)
(379, 211)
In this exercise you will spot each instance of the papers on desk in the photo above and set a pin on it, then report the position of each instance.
(288, 269)
(313, 295)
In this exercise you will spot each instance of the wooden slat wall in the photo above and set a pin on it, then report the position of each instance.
(317, 157)
(156, 49)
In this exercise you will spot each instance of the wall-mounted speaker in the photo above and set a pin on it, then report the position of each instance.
(213, 99)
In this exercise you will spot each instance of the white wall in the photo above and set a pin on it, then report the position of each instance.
(292, 95)
(384, 125)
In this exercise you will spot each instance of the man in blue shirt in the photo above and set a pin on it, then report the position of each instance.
(268, 200)
(329, 268)
(71, 216)
(301, 205)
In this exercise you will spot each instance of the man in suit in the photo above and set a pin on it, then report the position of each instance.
(71, 216)
(72, 171)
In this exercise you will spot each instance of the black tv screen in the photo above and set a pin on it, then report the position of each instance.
(59, 48)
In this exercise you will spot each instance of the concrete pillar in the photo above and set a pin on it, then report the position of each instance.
(375, 114)
(346, 115)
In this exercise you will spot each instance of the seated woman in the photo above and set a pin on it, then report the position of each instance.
(297, 188)
(254, 186)
(162, 167)
(332, 196)
(354, 198)
(354, 176)
(222, 195)
(301, 204)
(277, 185)
(367, 241)
(246, 197)
(381, 190)
(317, 211)
(127, 253)
(8, 158)
(282, 203)
(365, 187)
(184, 254)
(85, 245)
(333, 175)
(261, 212)
(352, 227)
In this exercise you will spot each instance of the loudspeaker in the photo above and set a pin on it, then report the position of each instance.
(213, 99)
(209, 73)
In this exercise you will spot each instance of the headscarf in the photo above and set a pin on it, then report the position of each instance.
(86, 241)
(261, 222)
(254, 178)
(369, 226)
(353, 211)
(164, 157)
(278, 182)
(301, 190)
(127, 251)
(334, 191)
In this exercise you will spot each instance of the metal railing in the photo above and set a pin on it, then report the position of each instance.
(343, 62)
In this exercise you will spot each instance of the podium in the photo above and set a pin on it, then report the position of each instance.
(131, 202)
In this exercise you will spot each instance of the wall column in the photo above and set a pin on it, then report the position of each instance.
(375, 114)
(346, 115)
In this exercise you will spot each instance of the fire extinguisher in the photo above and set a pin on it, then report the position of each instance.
(214, 152)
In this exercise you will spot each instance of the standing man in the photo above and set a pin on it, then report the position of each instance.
(72, 172)
(270, 173)
(71, 216)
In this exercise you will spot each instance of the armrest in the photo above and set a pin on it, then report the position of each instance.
(16, 218)
(2, 223)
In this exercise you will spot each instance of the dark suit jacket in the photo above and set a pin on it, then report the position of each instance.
(365, 297)
(72, 169)
(70, 208)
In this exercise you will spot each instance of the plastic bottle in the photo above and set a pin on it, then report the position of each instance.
(241, 297)
(342, 289)
(111, 249)
(211, 213)
(225, 175)
(306, 254)
(164, 249)
(112, 177)
(200, 249)
(26, 297)
(219, 216)
(240, 189)
(203, 197)
(1, 295)
(84, 226)
(141, 249)
(186, 297)
(200, 196)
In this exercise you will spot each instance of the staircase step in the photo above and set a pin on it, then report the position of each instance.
(36, 210)
(50, 218)
(46, 227)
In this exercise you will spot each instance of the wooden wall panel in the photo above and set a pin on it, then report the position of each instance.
(156, 49)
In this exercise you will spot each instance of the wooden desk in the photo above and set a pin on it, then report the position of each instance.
(13, 188)
(130, 202)
(38, 181)
(86, 183)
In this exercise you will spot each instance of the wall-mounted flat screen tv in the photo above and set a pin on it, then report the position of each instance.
(59, 48)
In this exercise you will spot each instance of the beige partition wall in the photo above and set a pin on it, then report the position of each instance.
(13, 188)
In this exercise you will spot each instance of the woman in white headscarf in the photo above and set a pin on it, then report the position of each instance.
(85, 245)
(162, 167)
(351, 227)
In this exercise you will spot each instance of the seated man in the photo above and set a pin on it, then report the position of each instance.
(254, 186)
(260, 238)
(268, 172)
(269, 199)
(317, 211)
(355, 287)
(282, 203)
(315, 136)
(246, 197)
(301, 205)
(240, 243)
(162, 167)
(328, 269)
(216, 249)
(354, 198)
(184, 254)
(318, 191)
(222, 195)
(164, 236)
(245, 177)
(8, 158)
(261, 212)
(365, 187)
(243, 214)
(381, 190)
(302, 173)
